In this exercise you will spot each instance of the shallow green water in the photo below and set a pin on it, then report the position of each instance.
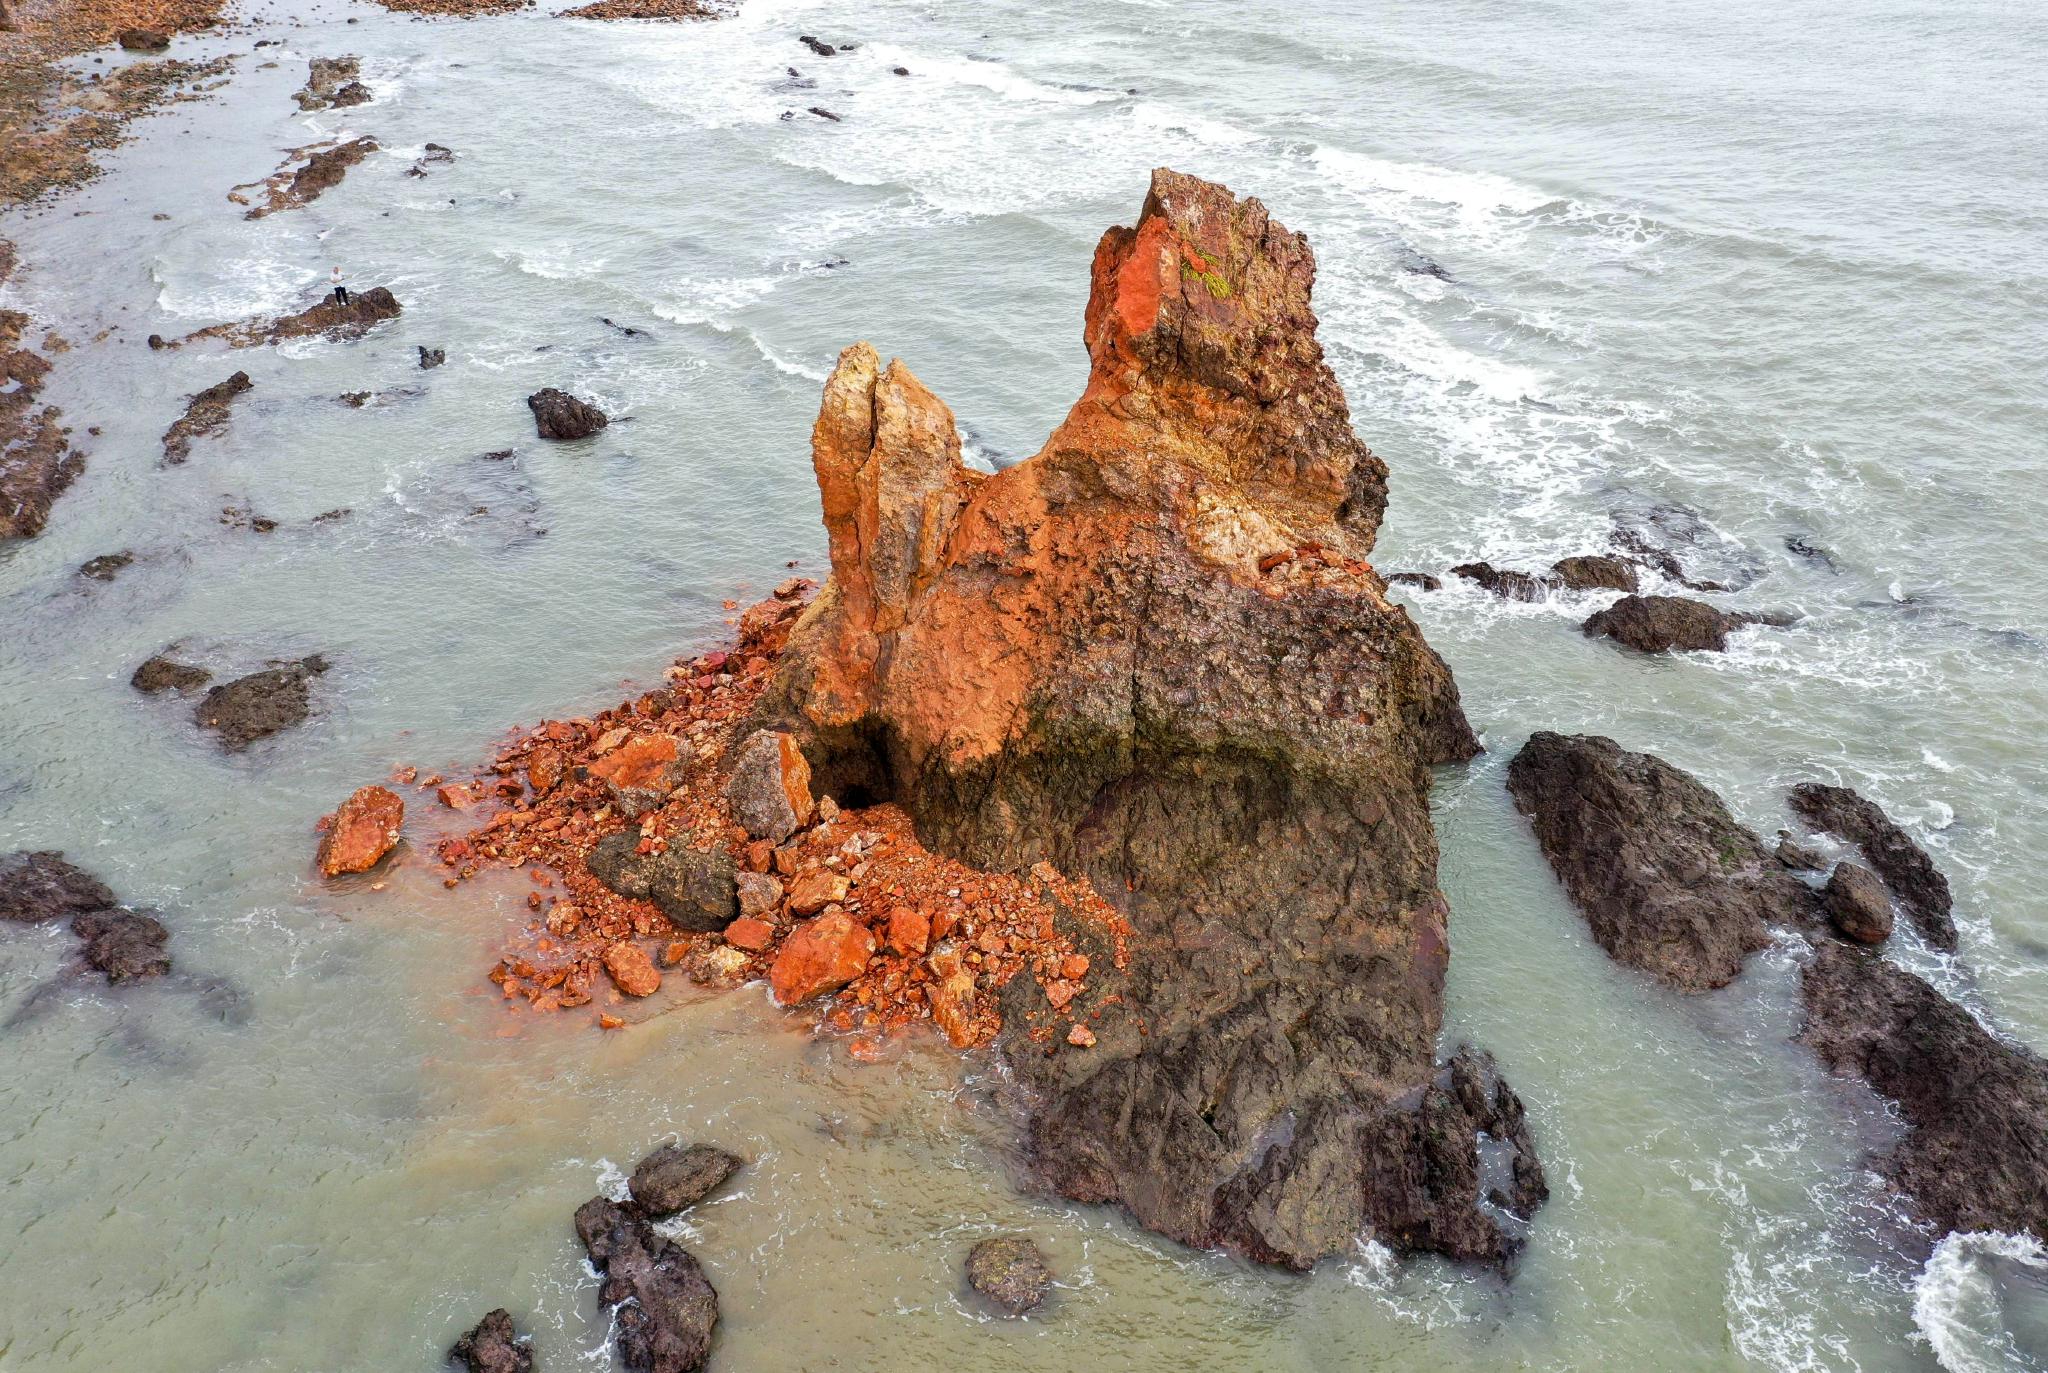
(1780, 264)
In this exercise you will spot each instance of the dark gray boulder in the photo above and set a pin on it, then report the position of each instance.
(679, 1175)
(163, 673)
(1010, 1271)
(1903, 864)
(261, 704)
(559, 415)
(1504, 582)
(698, 892)
(1666, 624)
(1594, 572)
(125, 945)
(1668, 881)
(665, 1309)
(40, 885)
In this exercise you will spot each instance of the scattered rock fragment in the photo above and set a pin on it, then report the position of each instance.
(759, 893)
(361, 832)
(642, 773)
(1857, 905)
(259, 705)
(162, 673)
(770, 788)
(1903, 864)
(1975, 1153)
(206, 416)
(1668, 881)
(559, 415)
(631, 969)
(1010, 1271)
(494, 1346)
(325, 78)
(678, 1175)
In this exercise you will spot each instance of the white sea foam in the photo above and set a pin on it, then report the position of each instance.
(1957, 1305)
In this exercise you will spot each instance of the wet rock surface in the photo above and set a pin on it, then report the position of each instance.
(1903, 864)
(1975, 1153)
(1504, 582)
(1666, 624)
(37, 463)
(206, 416)
(106, 566)
(665, 1308)
(163, 673)
(1595, 572)
(361, 832)
(1668, 881)
(559, 415)
(431, 358)
(679, 1175)
(1010, 1271)
(494, 1346)
(261, 704)
(324, 79)
(1124, 603)
(322, 170)
(125, 945)
(641, 773)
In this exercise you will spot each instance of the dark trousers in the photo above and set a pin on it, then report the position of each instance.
(341, 295)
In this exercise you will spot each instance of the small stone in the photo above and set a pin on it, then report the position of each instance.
(1009, 1271)
(545, 768)
(759, 894)
(677, 1175)
(607, 1021)
(559, 415)
(820, 956)
(770, 786)
(455, 797)
(631, 969)
(1074, 967)
(717, 965)
(361, 832)
(167, 674)
(750, 934)
(105, 566)
(1857, 904)
(910, 930)
(814, 891)
(1081, 1037)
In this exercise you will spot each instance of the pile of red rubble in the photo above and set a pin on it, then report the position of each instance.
(656, 838)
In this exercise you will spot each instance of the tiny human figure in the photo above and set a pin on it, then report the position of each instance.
(340, 291)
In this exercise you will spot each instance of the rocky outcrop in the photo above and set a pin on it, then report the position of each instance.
(164, 673)
(37, 463)
(106, 566)
(361, 831)
(325, 78)
(1903, 864)
(1153, 655)
(259, 705)
(1975, 1153)
(559, 415)
(328, 319)
(323, 169)
(1668, 881)
(1585, 572)
(679, 1175)
(206, 416)
(1668, 624)
(494, 1346)
(1010, 1272)
(664, 1308)
(1504, 582)
(121, 944)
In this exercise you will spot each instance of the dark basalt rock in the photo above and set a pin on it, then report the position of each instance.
(328, 319)
(1417, 579)
(679, 1175)
(431, 357)
(666, 1309)
(1666, 624)
(559, 415)
(1594, 572)
(1975, 1154)
(696, 891)
(260, 704)
(821, 48)
(125, 945)
(167, 674)
(106, 566)
(354, 93)
(1903, 864)
(1668, 881)
(39, 885)
(494, 1346)
(1504, 582)
(1857, 905)
(1010, 1272)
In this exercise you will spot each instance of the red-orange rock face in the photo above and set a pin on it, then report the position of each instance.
(1155, 656)
(361, 832)
(820, 956)
(642, 772)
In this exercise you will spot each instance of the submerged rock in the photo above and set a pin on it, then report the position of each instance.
(1153, 656)
(206, 416)
(361, 832)
(1417, 579)
(665, 1309)
(1504, 582)
(1666, 624)
(39, 885)
(125, 945)
(679, 1175)
(1903, 864)
(559, 415)
(260, 704)
(321, 172)
(106, 566)
(1975, 1154)
(695, 890)
(163, 673)
(325, 78)
(494, 1346)
(431, 358)
(1668, 881)
(1010, 1271)
(631, 970)
(36, 461)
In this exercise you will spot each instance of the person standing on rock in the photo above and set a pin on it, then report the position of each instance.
(340, 291)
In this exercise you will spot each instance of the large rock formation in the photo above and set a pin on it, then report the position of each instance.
(1975, 1153)
(206, 416)
(1669, 882)
(1154, 655)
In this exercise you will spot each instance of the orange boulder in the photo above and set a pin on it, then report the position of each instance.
(814, 891)
(820, 956)
(642, 772)
(361, 832)
(632, 969)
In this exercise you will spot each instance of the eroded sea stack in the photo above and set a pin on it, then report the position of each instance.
(1155, 656)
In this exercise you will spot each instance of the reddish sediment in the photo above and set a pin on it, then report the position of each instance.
(946, 937)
